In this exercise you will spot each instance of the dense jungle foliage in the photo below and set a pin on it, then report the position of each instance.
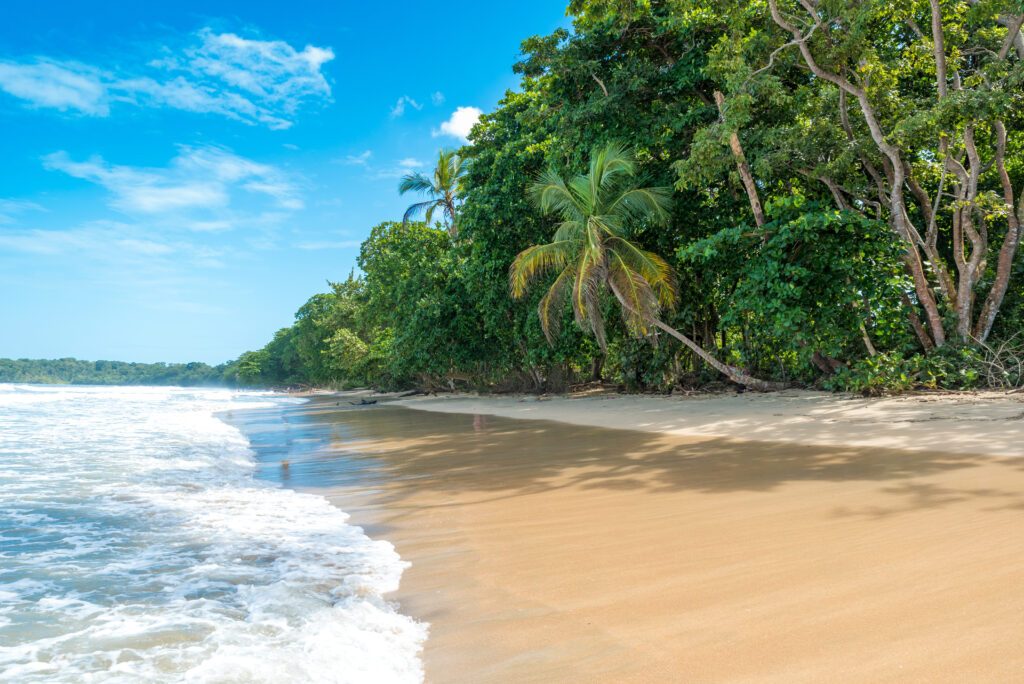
(843, 190)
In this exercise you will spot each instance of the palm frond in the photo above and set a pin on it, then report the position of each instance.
(585, 194)
(639, 303)
(553, 196)
(644, 204)
(443, 171)
(550, 316)
(416, 209)
(609, 224)
(415, 182)
(534, 262)
(586, 303)
(655, 270)
(569, 231)
(616, 163)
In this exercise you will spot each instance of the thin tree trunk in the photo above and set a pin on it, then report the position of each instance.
(731, 372)
(742, 166)
(867, 340)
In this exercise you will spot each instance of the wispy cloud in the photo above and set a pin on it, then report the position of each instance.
(437, 98)
(460, 123)
(46, 83)
(397, 169)
(10, 209)
(108, 242)
(198, 178)
(404, 101)
(250, 80)
(361, 159)
(382, 170)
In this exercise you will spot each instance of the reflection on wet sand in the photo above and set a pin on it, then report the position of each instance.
(551, 552)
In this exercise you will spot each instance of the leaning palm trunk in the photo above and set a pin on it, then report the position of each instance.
(731, 372)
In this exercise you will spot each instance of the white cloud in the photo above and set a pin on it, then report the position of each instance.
(60, 86)
(360, 159)
(254, 81)
(399, 108)
(460, 123)
(210, 226)
(264, 80)
(437, 98)
(198, 178)
(410, 163)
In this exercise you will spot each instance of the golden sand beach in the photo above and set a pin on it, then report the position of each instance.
(550, 552)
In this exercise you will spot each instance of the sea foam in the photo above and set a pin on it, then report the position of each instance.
(136, 546)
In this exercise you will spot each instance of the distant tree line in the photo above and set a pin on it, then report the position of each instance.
(77, 372)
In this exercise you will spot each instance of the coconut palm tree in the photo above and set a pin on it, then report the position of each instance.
(443, 189)
(591, 251)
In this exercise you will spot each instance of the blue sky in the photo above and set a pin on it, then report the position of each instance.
(178, 178)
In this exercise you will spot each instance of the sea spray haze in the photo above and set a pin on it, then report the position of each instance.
(136, 546)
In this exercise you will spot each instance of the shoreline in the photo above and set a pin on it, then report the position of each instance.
(557, 551)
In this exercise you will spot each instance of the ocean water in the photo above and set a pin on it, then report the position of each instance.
(136, 546)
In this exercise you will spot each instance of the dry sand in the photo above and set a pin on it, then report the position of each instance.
(976, 423)
(549, 552)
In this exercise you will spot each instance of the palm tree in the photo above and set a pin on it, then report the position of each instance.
(443, 189)
(591, 251)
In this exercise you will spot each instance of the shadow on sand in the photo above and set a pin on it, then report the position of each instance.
(328, 444)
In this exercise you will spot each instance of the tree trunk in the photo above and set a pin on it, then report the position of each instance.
(916, 324)
(1011, 242)
(742, 166)
(731, 372)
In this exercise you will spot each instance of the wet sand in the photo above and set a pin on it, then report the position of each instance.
(546, 552)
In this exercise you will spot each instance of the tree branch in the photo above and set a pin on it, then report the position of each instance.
(1013, 25)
